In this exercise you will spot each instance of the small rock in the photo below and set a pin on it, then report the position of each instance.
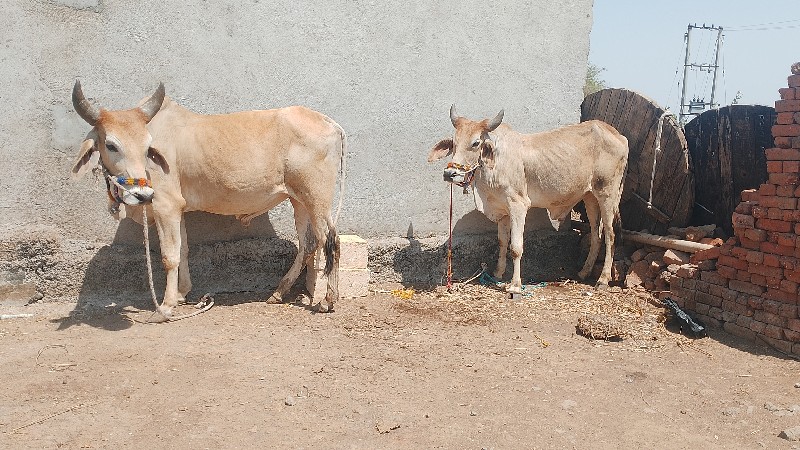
(795, 408)
(791, 434)
(289, 401)
(639, 255)
(730, 412)
(473, 413)
(771, 407)
(569, 404)
(797, 385)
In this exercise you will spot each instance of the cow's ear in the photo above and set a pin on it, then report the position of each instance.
(156, 157)
(440, 150)
(487, 153)
(88, 156)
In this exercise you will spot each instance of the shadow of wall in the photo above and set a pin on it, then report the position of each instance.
(548, 254)
(224, 257)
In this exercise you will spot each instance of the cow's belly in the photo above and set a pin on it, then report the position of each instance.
(235, 201)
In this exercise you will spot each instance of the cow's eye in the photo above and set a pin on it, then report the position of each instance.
(476, 143)
(111, 147)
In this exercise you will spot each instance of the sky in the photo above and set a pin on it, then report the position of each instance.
(640, 46)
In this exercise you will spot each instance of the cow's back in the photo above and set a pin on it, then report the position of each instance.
(234, 163)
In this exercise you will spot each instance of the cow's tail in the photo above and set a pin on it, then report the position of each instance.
(342, 172)
(331, 250)
(617, 227)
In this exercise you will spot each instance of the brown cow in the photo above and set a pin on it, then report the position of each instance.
(171, 160)
(512, 172)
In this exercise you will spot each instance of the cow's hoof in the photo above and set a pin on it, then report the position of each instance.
(601, 286)
(511, 289)
(276, 297)
(162, 314)
(582, 275)
(323, 307)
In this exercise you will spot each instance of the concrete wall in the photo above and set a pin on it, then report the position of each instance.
(386, 71)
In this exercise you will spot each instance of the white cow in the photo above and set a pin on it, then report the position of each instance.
(171, 160)
(513, 172)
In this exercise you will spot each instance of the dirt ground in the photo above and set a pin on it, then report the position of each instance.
(472, 369)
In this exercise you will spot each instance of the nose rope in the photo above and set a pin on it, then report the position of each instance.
(469, 173)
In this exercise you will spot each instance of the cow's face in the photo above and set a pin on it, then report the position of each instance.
(121, 143)
(470, 146)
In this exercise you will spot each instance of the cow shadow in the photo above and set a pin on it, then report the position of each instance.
(225, 258)
(547, 254)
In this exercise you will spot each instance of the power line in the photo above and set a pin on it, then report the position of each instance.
(767, 23)
(780, 27)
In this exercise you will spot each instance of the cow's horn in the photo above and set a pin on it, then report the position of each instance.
(495, 122)
(153, 104)
(453, 117)
(88, 111)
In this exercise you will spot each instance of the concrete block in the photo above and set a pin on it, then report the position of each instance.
(353, 254)
(352, 283)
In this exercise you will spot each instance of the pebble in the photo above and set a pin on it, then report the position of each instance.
(731, 411)
(797, 385)
(289, 401)
(569, 404)
(473, 413)
(791, 434)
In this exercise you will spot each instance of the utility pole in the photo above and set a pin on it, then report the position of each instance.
(696, 105)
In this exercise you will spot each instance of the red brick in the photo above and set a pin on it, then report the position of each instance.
(782, 154)
(754, 234)
(757, 326)
(774, 282)
(774, 213)
(793, 80)
(771, 305)
(739, 252)
(732, 261)
(743, 275)
(797, 228)
(748, 244)
(727, 272)
(791, 166)
(770, 319)
(785, 191)
(788, 216)
(774, 332)
(786, 93)
(771, 260)
(774, 166)
(714, 278)
(784, 118)
(787, 105)
(771, 225)
(750, 195)
(795, 141)
(788, 262)
(797, 114)
(747, 207)
(783, 142)
(704, 255)
(760, 212)
(786, 239)
(780, 296)
(792, 275)
(792, 336)
(784, 179)
(788, 311)
(758, 279)
(770, 247)
(742, 221)
(754, 257)
(774, 201)
(793, 324)
(747, 288)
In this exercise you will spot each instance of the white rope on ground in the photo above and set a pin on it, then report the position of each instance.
(205, 303)
(656, 151)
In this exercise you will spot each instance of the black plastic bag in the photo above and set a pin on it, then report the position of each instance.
(687, 324)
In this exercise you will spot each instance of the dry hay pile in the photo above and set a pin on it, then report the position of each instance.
(632, 316)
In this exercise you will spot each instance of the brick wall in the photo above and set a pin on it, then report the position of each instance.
(753, 289)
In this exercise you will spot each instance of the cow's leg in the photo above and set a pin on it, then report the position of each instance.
(503, 236)
(184, 279)
(593, 214)
(517, 215)
(168, 224)
(306, 245)
(607, 213)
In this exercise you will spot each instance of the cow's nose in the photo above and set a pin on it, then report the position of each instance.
(143, 197)
(448, 175)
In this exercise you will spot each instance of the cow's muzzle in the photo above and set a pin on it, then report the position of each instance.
(458, 174)
(130, 191)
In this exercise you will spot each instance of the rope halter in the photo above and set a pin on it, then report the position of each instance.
(467, 172)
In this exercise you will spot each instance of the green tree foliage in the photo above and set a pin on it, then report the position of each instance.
(593, 81)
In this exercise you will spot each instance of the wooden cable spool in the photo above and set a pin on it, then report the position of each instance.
(636, 117)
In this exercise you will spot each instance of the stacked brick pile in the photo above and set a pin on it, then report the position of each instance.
(753, 291)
